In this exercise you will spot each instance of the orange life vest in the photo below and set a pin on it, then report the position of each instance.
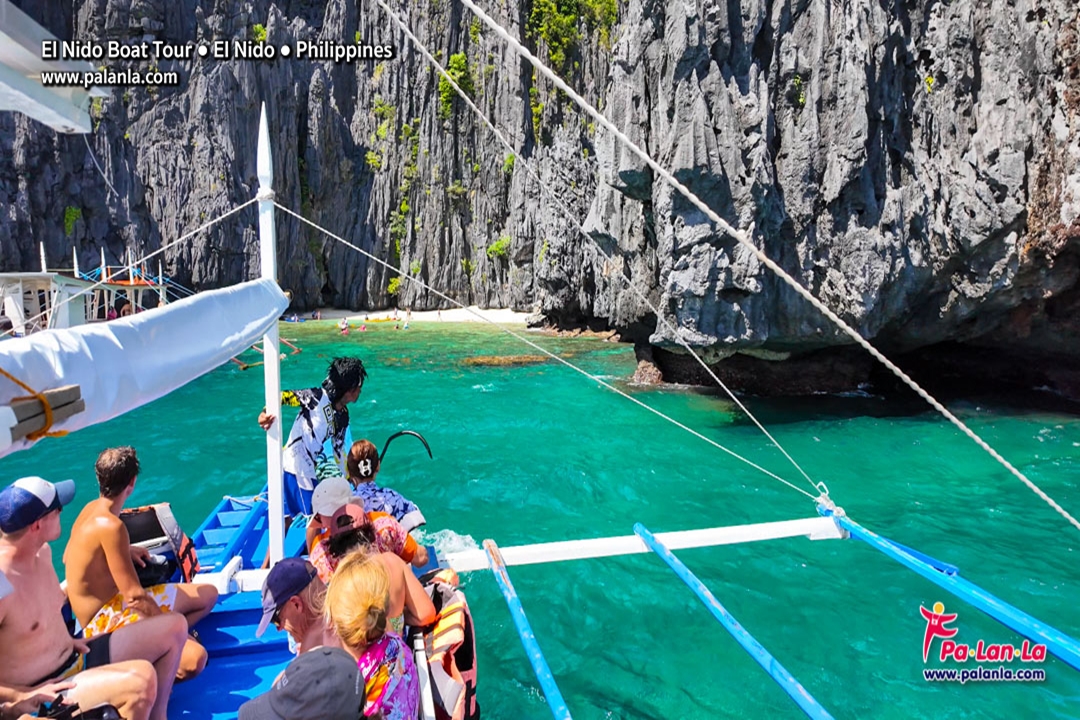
(451, 649)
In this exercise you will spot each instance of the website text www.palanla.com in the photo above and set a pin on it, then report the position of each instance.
(984, 674)
(108, 78)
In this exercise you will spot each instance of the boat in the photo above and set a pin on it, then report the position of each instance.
(66, 298)
(241, 530)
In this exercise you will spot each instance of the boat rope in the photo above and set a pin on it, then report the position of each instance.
(744, 240)
(660, 317)
(100, 171)
(46, 431)
(163, 248)
(536, 347)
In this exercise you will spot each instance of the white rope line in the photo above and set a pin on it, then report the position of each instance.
(533, 345)
(761, 256)
(161, 249)
(661, 318)
(100, 171)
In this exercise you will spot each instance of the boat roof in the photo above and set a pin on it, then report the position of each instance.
(59, 279)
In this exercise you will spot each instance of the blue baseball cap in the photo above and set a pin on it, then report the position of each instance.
(286, 579)
(28, 499)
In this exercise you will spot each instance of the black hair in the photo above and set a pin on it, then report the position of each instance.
(343, 543)
(345, 373)
(120, 303)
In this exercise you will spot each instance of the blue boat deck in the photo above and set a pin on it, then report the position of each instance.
(240, 526)
(240, 666)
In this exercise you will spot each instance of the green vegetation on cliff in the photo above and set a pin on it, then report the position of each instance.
(458, 69)
(556, 22)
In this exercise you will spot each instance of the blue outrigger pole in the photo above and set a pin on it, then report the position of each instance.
(776, 671)
(528, 639)
(1065, 648)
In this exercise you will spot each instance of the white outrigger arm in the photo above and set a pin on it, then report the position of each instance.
(817, 528)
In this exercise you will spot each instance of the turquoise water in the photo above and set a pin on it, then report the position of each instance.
(535, 453)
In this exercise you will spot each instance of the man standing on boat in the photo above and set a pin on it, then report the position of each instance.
(324, 415)
(38, 650)
(103, 585)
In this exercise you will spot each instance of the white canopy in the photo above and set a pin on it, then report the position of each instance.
(125, 363)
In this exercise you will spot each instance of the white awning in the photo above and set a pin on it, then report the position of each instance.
(125, 363)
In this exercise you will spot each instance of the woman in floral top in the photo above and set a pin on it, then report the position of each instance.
(356, 606)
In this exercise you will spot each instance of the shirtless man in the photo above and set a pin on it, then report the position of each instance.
(292, 599)
(103, 586)
(39, 651)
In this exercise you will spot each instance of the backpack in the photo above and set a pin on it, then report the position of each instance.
(154, 527)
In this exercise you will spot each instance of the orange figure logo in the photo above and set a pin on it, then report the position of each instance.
(935, 626)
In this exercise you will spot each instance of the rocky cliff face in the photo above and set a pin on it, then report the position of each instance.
(915, 164)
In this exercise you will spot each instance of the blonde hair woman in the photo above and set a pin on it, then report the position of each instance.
(356, 607)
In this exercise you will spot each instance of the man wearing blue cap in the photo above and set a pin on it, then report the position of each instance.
(39, 652)
(292, 597)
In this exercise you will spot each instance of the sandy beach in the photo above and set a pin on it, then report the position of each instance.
(503, 316)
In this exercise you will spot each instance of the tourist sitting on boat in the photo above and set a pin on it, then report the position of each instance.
(324, 414)
(102, 582)
(320, 685)
(337, 510)
(357, 604)
(292, 599)
(132, 668)
(363, 466)
(16, 705)
(409, 602)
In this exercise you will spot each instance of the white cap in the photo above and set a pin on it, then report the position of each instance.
(330, 494)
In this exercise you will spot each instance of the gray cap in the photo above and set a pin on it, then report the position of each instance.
(322, 684)
(5, 586)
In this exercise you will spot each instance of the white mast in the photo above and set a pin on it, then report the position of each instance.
(44, 265)
(75, 261)
(161, 285)
(271, 347)
(103, 277)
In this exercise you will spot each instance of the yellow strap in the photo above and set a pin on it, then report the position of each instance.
(43, 432)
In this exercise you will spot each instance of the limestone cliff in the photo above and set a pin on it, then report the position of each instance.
(915, 164)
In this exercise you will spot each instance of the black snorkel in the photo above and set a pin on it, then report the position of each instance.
(399, 434)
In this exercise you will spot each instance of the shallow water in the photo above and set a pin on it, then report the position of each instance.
(536, 452)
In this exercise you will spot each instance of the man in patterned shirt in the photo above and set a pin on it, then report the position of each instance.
(324, 415)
